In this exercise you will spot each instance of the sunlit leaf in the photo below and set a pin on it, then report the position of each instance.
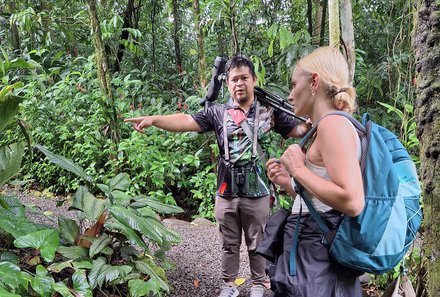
(9, 274)
(42, 282)
(80, 284)
(46, 241)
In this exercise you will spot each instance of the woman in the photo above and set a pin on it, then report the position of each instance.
(329, 171)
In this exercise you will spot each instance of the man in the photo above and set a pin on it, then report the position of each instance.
(242, 198)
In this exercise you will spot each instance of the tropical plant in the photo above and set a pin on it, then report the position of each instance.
(118, 235)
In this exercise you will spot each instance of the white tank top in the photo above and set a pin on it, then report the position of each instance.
(322, 172)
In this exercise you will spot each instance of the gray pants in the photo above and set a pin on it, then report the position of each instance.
(233, 216)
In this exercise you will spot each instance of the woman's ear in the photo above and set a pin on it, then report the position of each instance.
(314, 81)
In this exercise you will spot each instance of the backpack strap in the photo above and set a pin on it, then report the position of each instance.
(303, 195)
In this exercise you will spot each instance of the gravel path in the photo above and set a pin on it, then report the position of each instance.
(197, 259)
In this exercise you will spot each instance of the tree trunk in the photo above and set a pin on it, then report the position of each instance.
(103, 71)
(427, 54)
(232, 24)
(324, 13)
(309, 17)
(316, 35)
(153, 14)
(347, 33)
(129, 14)
(14, 29)
(333, 21)
(221, 39)
(176, 16)
(200, 43)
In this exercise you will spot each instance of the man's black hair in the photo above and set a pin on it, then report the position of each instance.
(239, 60)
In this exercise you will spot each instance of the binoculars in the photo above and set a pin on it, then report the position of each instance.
(240, 179)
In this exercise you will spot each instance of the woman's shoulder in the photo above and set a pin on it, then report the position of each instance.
(334, 122)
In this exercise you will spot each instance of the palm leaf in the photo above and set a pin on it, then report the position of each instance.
(95, 275)
(132, 235)
(98, 244)
(155, 204)
(120, 182)
(65, 163)
(156, 273)
(128, 218)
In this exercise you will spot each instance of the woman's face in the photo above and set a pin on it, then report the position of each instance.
(301, 92)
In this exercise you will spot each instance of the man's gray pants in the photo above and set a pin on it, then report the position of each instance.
(237, 215)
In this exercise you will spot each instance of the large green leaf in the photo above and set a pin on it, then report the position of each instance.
(155, 204)
(20, 63)
(8, 105)
(42, 282)
(10, 160)
(80, 284)
(62, 289)
(5, 293)
(90, 206)
(17, 226)
(73, 252)
(156, 273)
(69, 229)
(115, 188)
(64, 163)
(9, 257)
(139, 288)
(59, 266)
(127, 217)
(98, 244)
(10, 274)
(13, 206)
(46, 241)
(148, 226)
(132, 235)
(95, 276)
(111, 273)
(120, 182)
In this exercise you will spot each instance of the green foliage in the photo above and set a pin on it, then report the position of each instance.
(204, 187)
(407, 134)
(125, 221)
(123, 230)
(46, 241)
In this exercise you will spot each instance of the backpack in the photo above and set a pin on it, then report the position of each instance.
(378, 238)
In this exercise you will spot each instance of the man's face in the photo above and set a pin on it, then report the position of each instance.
(241, 84)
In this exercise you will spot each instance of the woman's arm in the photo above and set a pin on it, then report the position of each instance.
(336, 145)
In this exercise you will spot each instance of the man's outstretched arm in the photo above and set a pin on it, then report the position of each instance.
(173, 122)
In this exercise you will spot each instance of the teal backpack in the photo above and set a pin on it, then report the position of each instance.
(378, 238)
